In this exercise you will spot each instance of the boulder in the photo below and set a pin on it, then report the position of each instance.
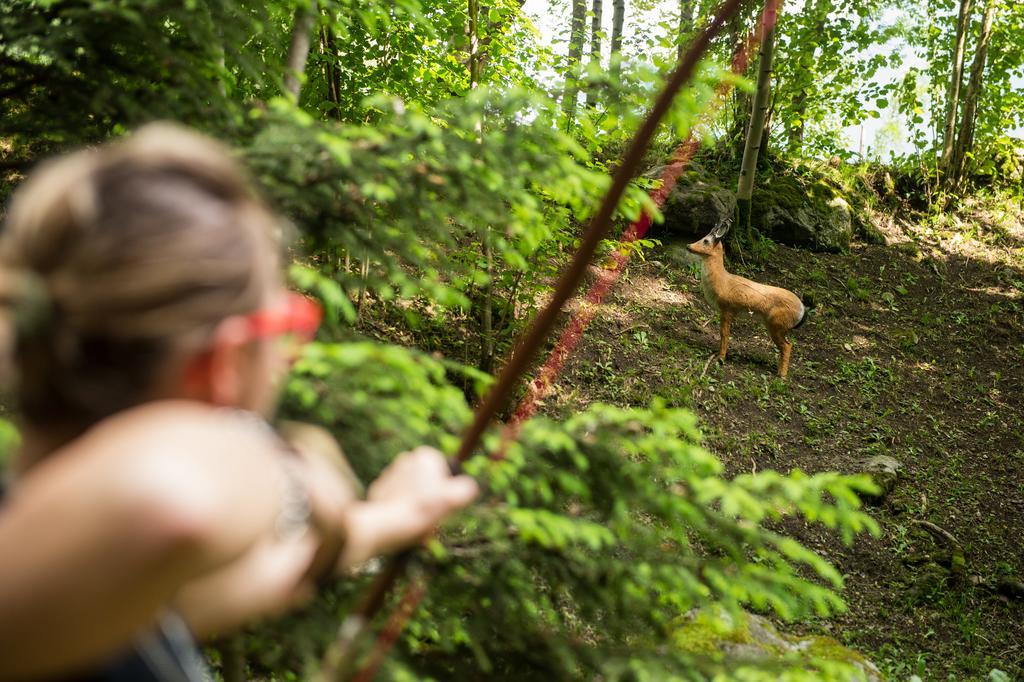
(814, 216)
(884, 472)
(808, 214)
(756, 640)
(695, 207)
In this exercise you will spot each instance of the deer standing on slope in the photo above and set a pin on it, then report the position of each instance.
(780, 310)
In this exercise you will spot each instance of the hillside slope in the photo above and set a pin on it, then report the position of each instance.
(916, 351)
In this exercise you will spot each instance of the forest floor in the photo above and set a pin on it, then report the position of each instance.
(915, 351)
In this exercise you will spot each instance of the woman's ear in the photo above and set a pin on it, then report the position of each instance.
(228, 364)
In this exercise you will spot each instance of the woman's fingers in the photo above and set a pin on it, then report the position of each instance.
(421, 483)
(460, 491)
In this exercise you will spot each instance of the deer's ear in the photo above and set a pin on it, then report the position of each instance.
(721, 229)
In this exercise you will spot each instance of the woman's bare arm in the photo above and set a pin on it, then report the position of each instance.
(405, 503)
(98, 539)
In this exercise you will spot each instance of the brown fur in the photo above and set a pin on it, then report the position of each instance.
(778, 308)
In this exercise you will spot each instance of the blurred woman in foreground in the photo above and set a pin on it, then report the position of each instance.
(143, 314)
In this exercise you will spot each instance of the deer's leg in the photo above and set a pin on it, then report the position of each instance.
(727, 316)
(785, 348)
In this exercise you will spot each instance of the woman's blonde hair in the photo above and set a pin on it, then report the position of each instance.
(111, 258)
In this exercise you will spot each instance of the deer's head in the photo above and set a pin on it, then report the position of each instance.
(712, 243)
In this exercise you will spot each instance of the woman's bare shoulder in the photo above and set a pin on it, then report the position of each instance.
(170, 451)
(177, 425)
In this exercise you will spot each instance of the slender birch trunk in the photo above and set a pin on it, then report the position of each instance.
(333, 79)
(572, 85)
(741, 101)
(298, 51)
(758, 114)
(685, 25)
(221, 62)
(617, 18)
(766, 133)
(956, 79)
(475, 62)
(232, 656)
(965, 140)
(796, 126)
(595, 46)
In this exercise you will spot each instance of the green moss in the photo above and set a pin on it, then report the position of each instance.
(790, 195)
(828, 649)
(705, 634)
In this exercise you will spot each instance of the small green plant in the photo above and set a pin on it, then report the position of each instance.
(605, 370)
(817, 276)
(761, 248)
(867, 374)
(859, 288)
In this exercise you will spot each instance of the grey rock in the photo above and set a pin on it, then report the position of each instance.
(756, 638)
(885, 472)
(694, 209)
(815, 216)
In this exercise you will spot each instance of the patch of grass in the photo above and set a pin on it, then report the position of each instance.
(859, 288)
(817, 276)
(868, 375)
(895, 664)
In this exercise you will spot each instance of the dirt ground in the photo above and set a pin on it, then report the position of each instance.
(915, 351)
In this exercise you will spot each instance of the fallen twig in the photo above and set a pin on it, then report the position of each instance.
(938, 531)
(708, 364)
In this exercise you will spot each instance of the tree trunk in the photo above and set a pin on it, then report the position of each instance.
(758, 114)
(953, 95)
(685, 26)
(965, 140)
(572, 84)
(618, 17)
(298, 51)
(474, 60)
(741, 101)
(364, 276)
(331, 75)
(486, 363)
(595, 47)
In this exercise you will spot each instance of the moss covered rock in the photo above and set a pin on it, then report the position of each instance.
(753, 640)
(694, 207)
(811, 215)
(885, 472)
